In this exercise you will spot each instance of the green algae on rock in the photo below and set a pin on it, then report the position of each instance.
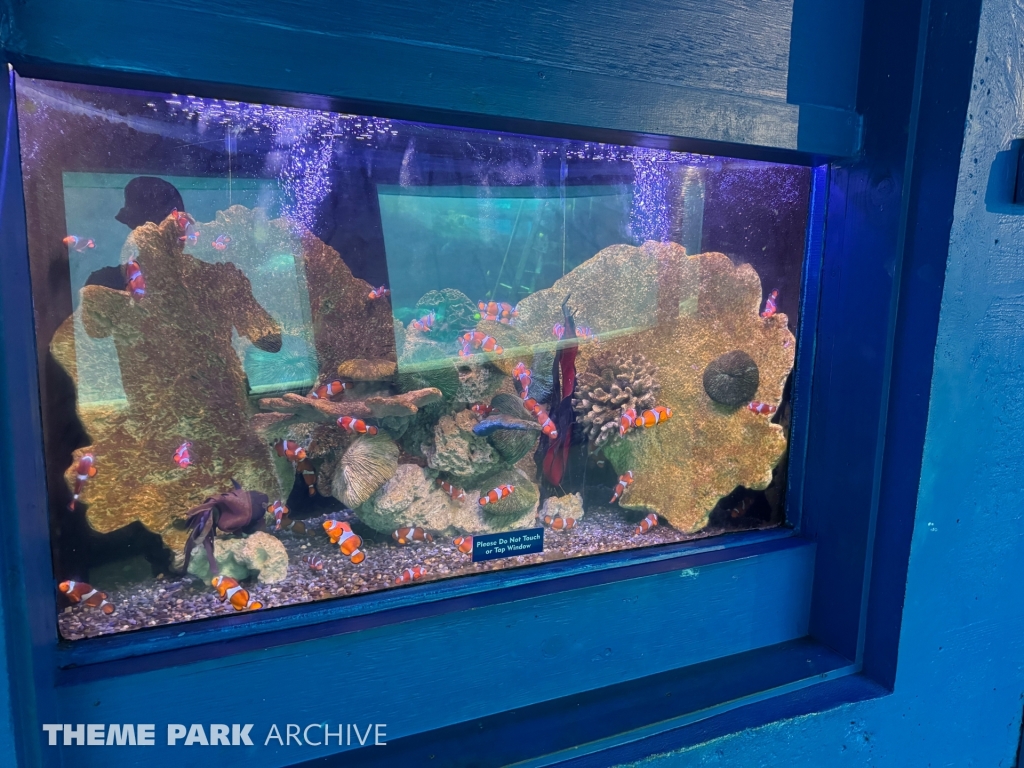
(261, 555)
(565, 507)
(520, 504)
(459, 452)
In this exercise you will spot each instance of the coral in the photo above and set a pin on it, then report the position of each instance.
(613, 382)
(182, 380)
(260, 555)
(681, 312)
(367, 464)
(459, 452)
(477, 383)
(441, 375)
(570, 505)
(732, 379)
(408, 498)
(305, 409)
(370, 370)
(519, 504)
(412, 497)
(453, 310)
(513, 444)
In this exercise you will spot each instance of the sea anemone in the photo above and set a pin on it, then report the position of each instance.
(367, 464)
(611, 384)
(513, 444)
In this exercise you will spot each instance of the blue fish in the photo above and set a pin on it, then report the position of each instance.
(497, 421)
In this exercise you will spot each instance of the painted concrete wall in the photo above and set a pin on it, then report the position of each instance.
(960, 684)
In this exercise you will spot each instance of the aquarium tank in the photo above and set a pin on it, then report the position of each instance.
(290, 355)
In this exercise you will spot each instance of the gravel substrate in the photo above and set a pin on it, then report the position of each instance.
(172, 599)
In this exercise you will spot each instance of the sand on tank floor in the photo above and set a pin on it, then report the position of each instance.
(171, 599)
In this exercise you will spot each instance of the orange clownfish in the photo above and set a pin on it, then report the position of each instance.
(279, 511)
(290, 450)
(546, 424)
(230, 590)
(182, 457)
(425, 323)
(762, 409)
(524, 378)
(624, 480)
(314, 561)
(180, 218)
(80, 592)
(654, 416)
(498, 309)
(328, 391)
(495, 495)
(79, 243)
(409, 534)
(477, 340)
(559, 523)
(380, 293)
(480, 409)
(305, 467)
(464, 544)
(769, 304)
(221, 242)
(411, 574)
(349, 543)
(456, 493)
(626, 420)
(136, 282)
(646, 524)
(356, 426)
(85, 470)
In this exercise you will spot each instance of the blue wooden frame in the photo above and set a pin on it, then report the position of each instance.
(852, 497)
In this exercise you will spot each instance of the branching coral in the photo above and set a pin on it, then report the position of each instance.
(612, 383)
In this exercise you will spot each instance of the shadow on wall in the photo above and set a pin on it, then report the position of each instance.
(1005, 191)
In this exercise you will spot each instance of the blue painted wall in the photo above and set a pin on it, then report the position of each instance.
(960, 680)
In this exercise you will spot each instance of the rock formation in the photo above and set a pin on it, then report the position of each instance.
(681, 312)
(260, 555)
(183, 381)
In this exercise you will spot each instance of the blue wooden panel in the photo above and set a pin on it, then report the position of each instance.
(598, 725)
(824, 53)
(860, 283)
(418, 676)
(709, 71)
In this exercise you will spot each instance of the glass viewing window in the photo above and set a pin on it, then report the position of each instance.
(290, 355)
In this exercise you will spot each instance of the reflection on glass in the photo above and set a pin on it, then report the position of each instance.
(290, 355)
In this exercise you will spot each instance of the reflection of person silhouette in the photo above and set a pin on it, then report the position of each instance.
(146, 198)
(182, 378)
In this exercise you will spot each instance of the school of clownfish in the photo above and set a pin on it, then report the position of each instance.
(340, 532)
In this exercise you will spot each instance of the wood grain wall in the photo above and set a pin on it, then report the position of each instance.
(684, 68)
